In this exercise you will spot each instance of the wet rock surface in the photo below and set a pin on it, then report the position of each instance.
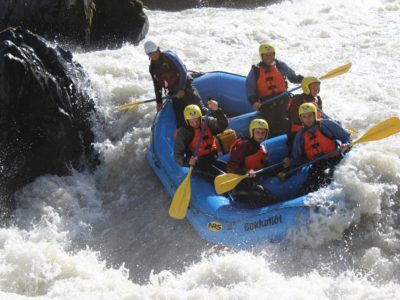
(93, 24)
(45, 112)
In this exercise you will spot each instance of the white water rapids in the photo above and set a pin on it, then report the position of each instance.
(107, 235)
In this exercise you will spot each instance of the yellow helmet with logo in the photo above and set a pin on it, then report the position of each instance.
(307, 107)
(191, 112)
(305, 83)
(265, 48)
(258, 123)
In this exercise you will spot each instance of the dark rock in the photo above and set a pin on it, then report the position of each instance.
(176, 5)
(89, 23)
(45, 112)
(119, 21)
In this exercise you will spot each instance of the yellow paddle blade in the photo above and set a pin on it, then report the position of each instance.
(129, 105)
(180, 202)
(380, 131)
(336, 72)
(352, 130)
(227, 182)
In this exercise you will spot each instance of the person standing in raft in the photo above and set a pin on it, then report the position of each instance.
(206, 162)
(317, 138)
(311, 88)
(265, 80)
(247, 155)
(169, 74)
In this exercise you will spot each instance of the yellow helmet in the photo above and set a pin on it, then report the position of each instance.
(191, 112)
(307, 107)
(265, 48)
(305, 83)
(258, 123)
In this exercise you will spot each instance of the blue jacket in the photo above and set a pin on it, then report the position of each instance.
(252, 77)
(329, 128)
(168, 61)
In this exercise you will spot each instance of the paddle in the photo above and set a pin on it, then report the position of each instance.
(380, 131)
(131, 104)
(331, 74)
(181, 199)
(336, 72)
(227, 182)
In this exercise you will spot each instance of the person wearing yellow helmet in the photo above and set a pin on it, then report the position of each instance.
(267, 79)
(206, 162)
(311, 88)
(316, 138)
(170, 76)
(247, 155)
(311, 85)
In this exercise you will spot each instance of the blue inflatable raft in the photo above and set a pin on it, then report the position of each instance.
(217, 218)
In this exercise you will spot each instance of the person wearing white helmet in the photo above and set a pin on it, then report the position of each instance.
(316, 138)
(169, 75)
(247, 155)
(267, 79)
(150, 47)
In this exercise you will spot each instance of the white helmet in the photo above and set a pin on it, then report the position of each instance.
(150, 46)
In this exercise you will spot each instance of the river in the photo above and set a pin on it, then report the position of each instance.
(107, 235)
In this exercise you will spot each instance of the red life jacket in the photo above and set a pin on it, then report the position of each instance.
(256, 160)
(317, 144)
(208, 143)
(165, 72)
(168, 79)
(295, 127)
(270, 81)
(293, 110)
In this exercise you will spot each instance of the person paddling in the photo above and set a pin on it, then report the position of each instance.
(169, 74)
(317, 137)
(206, 163)
(266, 80)
(311, 88)
(248, 155)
